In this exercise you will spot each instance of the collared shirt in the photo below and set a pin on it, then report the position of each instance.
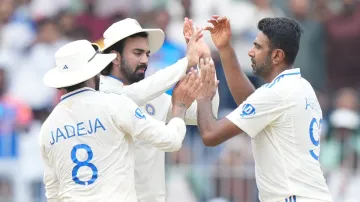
(284, 120)
(87, 146)
(150, 161)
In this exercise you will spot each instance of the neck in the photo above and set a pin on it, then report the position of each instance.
(119, 77)
(75, 87)
(273, 74)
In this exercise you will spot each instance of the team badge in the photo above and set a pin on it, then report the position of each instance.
(139, 114)
(150, 109)
(248, 110)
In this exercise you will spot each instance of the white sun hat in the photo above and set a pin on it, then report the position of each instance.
(127, 27)
(76, 62)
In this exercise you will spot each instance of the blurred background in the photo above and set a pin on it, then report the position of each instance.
(32, 30)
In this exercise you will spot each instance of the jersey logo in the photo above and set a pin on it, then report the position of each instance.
(150, 109)
(66, 67)
(139, 114)
(248, 110)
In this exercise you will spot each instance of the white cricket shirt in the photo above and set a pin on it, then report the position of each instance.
(150, 161)
(87, 146)
(283, 119)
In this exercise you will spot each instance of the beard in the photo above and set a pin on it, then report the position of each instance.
(262, 69)
(130, 75)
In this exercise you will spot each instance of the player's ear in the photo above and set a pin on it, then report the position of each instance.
(278, 56)
(117, 60)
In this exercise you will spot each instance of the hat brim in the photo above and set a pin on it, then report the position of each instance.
(156, 39)
(58, 78)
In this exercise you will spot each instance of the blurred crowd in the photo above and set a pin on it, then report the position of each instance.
(32, 30)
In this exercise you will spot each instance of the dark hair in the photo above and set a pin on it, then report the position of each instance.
(283, 34)
(74, 87)
(119, 47)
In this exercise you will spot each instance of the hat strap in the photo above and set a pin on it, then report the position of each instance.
(97, 51)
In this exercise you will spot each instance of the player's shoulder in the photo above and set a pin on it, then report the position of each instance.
(266, 94)
(110, 98)
(283, 80)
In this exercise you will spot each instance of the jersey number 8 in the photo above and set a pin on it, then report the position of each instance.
(80, 164)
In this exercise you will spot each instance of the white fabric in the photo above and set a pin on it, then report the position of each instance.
(76, 62)
(127, 27)
(150, 161)
(284, 118)
(345, 118)
(89, 136)
(149, 88)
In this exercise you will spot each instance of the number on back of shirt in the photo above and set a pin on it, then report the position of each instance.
(83, 164)
(314, 132)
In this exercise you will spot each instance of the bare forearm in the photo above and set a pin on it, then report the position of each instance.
(205, 120)
(179, 110)
(239, 85)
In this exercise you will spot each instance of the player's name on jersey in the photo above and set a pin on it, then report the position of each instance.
(79, 129)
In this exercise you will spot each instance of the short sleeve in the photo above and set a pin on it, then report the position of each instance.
(258, 111)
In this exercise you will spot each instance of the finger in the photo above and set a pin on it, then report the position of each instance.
(196, 36)
(209, 74)
(196, 86)
(222, 18)
(213, 22)
(200, 33)
(194, 71)
(197, 91)
(204, 71)
(201, 66)
(202, 63)
(185, 79)
(200, 36)
(228, 22)
(212, 70)
(209, 27)
(191, 24)
(215, 16)
(191, 80)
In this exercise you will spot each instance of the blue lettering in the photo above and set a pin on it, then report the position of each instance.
(72, 134)
(91, 129)
(307, 104)
(97, 121)
(53, 139)
(59, 134)
(80, 129)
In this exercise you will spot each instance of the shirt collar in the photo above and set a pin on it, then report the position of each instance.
(289, 72)
(75, 92)
(110, 84)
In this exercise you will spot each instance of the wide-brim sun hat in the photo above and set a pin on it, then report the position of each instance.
(76, 62)
(127, 27)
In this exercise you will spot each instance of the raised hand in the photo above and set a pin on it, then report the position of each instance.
(220, 31)
(186, 90)
(192, 48)
(208, 83)
(203, 49)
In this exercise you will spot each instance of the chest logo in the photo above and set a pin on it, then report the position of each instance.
(150, 109)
